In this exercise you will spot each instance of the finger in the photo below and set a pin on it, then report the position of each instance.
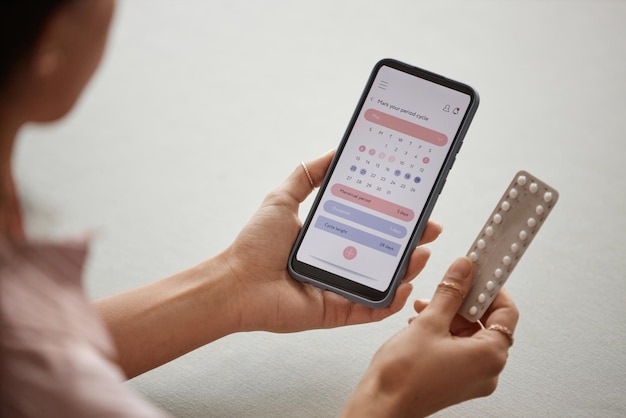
(420, 255)
(459, 325)
(502, 312)
(451, 291)
(431, 232)
(500, 321)
(417, 262)
(361, 314)
(420, 304)
(399, 300)
(298, 184)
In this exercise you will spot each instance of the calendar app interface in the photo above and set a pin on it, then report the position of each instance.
(381, 182)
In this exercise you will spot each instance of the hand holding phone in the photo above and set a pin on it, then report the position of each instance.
(383, 183)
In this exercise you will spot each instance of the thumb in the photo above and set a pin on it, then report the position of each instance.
(301, 181)
(451, 291)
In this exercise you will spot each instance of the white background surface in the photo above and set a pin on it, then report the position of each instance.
(202, 107)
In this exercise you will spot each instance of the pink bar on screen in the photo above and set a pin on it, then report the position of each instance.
(406, 127)
(372, 202)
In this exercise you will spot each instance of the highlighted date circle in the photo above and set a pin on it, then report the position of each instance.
(372, 202)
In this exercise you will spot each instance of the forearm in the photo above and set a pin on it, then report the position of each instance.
(157, 323)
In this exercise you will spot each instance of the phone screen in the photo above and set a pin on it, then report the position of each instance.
(383, 182)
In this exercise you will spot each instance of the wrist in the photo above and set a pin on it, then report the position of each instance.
(216, 296)
(373, 398)
(249, 304)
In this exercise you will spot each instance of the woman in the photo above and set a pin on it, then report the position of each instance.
(63, 356)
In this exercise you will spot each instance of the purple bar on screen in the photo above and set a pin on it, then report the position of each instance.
(365, 219)
(356, 235)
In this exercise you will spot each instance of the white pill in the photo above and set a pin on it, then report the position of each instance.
(547, 197)
(490, 285)
(523, 235)
(489, 231)
(531, 222)
(481, 244)
(507, 260)
(533, 187)
(473, 256)
(473, 310)
(505, 205)
(498, 273)
(513, 193)
(515, 248)
(481, 298)
(521, 180)
(539, 210)
(497, 218)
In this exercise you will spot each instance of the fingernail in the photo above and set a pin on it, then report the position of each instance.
(461, 268)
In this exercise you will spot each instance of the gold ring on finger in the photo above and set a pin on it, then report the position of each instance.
(454, 286)
(308, 175)
(502, 330)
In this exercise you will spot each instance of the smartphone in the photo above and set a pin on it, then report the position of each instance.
(383, 182)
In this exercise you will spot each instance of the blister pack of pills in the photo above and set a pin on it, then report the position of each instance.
(508, 232)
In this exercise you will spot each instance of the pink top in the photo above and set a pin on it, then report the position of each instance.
(57, 358)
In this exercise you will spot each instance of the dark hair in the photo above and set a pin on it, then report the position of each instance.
(21, 24)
